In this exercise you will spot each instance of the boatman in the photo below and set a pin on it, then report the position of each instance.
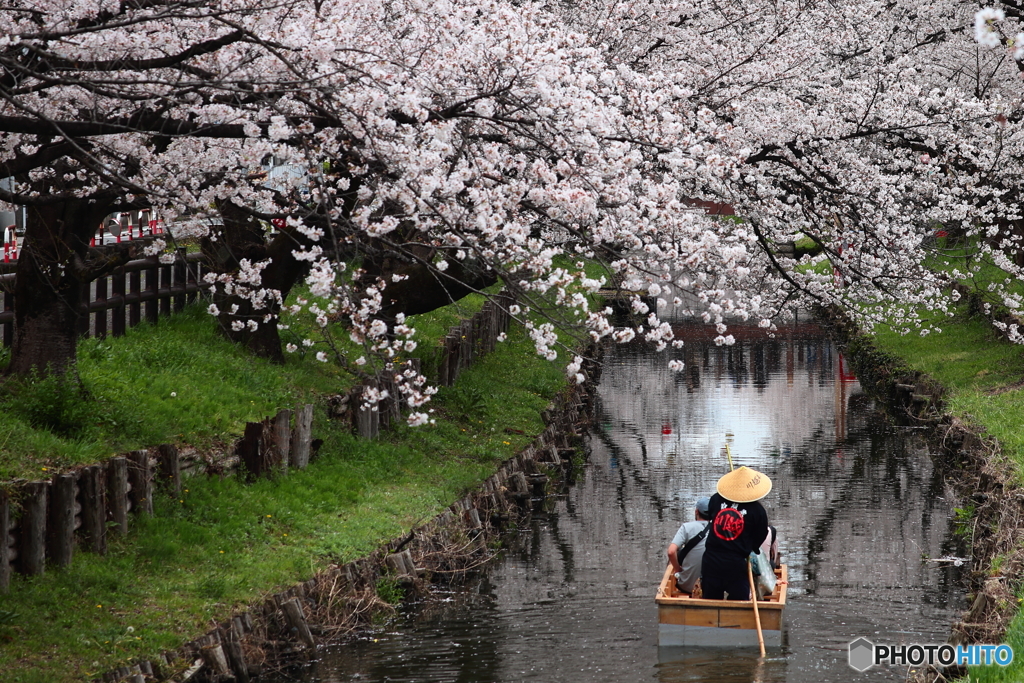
(738, 526)
(686, 550)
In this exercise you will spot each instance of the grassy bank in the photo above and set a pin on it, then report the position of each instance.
(221, 544)
(983, 376)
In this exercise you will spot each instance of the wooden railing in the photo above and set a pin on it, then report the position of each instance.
(142, 289)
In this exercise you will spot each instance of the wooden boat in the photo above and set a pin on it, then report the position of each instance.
(683, 620)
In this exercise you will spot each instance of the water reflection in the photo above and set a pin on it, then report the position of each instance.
(859, 508)
(722, 666)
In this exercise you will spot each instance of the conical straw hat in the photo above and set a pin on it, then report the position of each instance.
(744, 485)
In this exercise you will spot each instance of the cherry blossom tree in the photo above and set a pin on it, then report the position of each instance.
(867, 129)
(393, 155)
(88, 95)
(446, 141)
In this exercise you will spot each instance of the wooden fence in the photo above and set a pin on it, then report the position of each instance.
(474, 337)
(142, 289)
(471, 339)
(78, 509)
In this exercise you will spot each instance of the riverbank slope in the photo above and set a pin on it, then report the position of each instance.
(224, 544)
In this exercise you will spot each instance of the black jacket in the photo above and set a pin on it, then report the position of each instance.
(737, 529)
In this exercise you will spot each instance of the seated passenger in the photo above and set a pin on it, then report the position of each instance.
(686, 550)
(770, 547)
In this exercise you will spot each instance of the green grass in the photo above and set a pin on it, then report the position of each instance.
(222, 544)
(966, 356)
(175, 382)
(982, 374)
(1014, 673)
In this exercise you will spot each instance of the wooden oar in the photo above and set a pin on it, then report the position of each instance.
(753, 600)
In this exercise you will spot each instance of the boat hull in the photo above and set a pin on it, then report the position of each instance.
(684, 621)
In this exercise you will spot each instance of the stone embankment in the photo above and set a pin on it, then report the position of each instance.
(287, 627)
(970, 463)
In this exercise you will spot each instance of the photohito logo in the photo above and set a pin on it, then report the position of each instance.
(864, 654)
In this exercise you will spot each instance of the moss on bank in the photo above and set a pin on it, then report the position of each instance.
(222, 545)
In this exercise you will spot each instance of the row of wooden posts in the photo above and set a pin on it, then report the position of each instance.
(471, 339)
(474, 337)
(78, 509)
(142, 289)
(286, 625)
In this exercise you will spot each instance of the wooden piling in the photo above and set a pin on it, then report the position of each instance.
(465, 345)
(170, 468)
(60, 529)
(477, 343)
(153, 291)
(117, 493)
(388, 408)
(449, 361)
(140, 476)
(5, 543)
(32, 554)
(101, 315)
(117, 321)
(135, 289)
(93, 494)
(302, 436)
(214, 658)
(238, 629)
(410, 566)
(255, 451)
(297, 620)
(282, 438)
(235, 655)
(367, 419)
(179, 277)
(395, 564)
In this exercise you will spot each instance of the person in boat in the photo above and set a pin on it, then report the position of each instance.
(770, 547)
(686, 550)
(739, 524)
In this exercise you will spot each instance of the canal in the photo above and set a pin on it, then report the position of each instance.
(865, 526)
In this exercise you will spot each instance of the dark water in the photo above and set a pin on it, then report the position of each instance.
(859, 507)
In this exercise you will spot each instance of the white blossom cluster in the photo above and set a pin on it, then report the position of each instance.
(533, 141)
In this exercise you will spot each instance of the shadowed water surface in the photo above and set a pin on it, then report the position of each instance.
(861, 512)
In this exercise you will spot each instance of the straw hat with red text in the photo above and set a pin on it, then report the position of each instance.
(744, 485)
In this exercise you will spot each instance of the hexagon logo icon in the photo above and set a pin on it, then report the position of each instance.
(862, 654)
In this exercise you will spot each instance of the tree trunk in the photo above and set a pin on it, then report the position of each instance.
(51, 285)
(425, 289)
(243, 237)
